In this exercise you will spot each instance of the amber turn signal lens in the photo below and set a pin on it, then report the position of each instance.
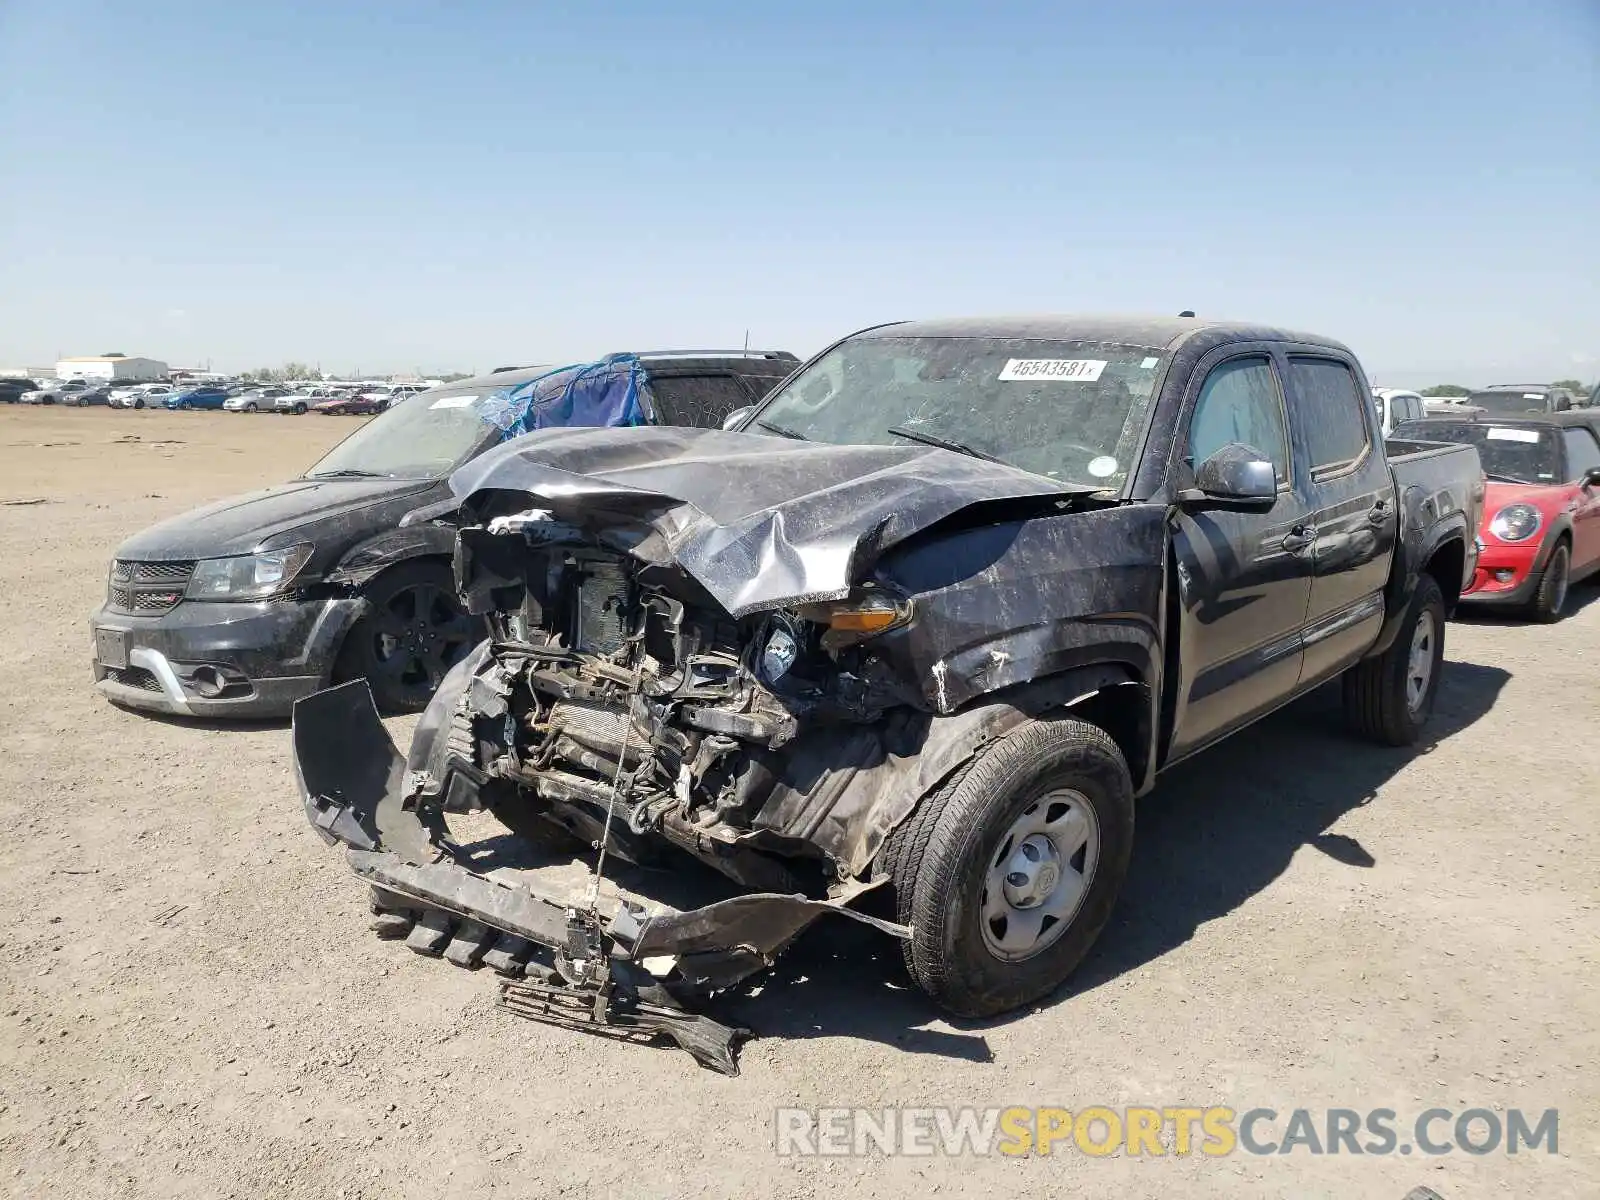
(862, 620)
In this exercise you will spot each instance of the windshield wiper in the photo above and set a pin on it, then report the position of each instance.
(349, 473)
(1503, 478)
(779, 430)
(931, 439)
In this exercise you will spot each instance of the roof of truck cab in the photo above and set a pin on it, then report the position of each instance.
(1134, 330)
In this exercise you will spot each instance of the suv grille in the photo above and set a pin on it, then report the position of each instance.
(147, 587)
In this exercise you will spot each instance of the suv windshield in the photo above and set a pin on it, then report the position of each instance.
(419, 437)
(1510, 453)
(1072, 411)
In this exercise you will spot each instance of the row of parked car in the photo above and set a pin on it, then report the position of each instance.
(928, 611)
(329, 399)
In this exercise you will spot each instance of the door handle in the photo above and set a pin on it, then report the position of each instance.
(1378, 513)
(1299, 538)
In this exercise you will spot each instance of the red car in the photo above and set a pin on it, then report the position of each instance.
(358, 404)
(1541, 516)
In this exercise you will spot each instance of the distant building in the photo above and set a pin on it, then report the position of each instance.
(114, 368)
(27, 372)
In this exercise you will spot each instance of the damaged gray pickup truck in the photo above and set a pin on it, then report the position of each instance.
(927, 622)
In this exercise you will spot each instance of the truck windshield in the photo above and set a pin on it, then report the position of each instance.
(421, 437)
(1072, 411)
(1510, 453)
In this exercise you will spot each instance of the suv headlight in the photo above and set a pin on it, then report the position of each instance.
(247, 576)
(1516, 523)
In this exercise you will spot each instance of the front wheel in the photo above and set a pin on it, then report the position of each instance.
(1008, 873)
(138, 403)
(251, 407)
(415, 629)
(299, 410)
(1389, 697)
(1550, 598)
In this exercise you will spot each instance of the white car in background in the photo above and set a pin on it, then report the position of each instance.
(255, 399)
(141, 395)
(1395, 405)
(300, 402)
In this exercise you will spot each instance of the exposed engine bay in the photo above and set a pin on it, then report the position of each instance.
(621, 713)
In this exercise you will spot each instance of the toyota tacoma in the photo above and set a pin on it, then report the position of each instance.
(924, 622)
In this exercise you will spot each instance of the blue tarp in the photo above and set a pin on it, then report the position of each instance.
(603, 393)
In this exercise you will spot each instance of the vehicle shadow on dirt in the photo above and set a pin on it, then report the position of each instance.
(1220, 828)
(1216, 831)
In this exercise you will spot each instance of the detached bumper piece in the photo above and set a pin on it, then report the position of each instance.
(563, 964)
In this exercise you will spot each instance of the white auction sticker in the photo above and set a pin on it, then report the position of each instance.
(1533, 395)
(1498, 433)
(1075, 370)
(454, 402)
(1149, 362)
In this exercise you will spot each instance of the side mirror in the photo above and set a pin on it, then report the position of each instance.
(1591, 477)
(1236, 478)
(737, 415)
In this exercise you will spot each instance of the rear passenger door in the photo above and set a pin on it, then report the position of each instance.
(1583, 454)
(1352, 522)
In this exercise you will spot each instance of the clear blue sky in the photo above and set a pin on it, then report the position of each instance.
(399, 185)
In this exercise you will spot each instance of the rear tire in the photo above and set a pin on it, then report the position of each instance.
(414, 631)
(1388, 698)
(1008, 873)
(1550, 597)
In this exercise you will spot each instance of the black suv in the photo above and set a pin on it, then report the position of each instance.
(244, 606)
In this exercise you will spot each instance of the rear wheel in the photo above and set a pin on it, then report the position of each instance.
(1008, 872)
(1389, 697)
(1550, 597)
(414, 631)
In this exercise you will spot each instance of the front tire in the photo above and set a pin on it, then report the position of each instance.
(1008, 873)
(299, 410)
(250, 408)
(1389, 697)
(414, 631)
(138, 403)
(1550, 597)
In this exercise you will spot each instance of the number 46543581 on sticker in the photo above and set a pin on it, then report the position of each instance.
(1076, 370)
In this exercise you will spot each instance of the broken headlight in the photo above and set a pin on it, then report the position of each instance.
(246, 576)
(860, 616)
(779, 651)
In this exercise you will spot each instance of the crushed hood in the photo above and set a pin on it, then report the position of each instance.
(759, 522)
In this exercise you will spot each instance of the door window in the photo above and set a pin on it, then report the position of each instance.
(1240, 402)
(1583, 452)
(1330, 407)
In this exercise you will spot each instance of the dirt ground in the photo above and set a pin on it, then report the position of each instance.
(190, 1004)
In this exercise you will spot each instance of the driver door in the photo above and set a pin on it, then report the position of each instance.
(1243, 578)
